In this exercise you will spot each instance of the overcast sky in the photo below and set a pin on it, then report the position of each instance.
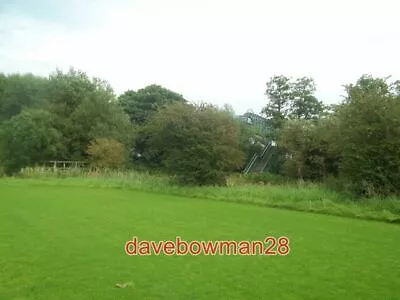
(219, 51)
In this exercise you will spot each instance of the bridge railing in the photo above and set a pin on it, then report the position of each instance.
(251, 163)
(265, 149)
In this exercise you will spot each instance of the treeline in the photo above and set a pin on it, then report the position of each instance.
(354, 146)
(69, 116)
(56, 118)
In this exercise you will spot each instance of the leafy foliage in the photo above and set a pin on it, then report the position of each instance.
(71, 116)
(20, 91)
(369, 139)
(304, 104)
(290, 99)
(28, 138)
(86, 109)
(107, 153)
(141, 105)
(279, 93)
(68, 90)
(306, 146)
(198, 143)
(358, 142)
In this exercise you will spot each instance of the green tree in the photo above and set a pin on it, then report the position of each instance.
(145, 102)
(304, 105)
(95, 118)
(369, 139)
(367, 86)
(86, 108)
(140, 106)
(20, 91)
(279, 92)
(295, 140)
(197, 143)
(68, 90)
(291, 99)
(28, 138)
(308, 149)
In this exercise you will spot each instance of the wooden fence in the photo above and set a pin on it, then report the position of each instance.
(66, 164)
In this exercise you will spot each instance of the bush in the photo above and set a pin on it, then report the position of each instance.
(28, 138)
(106, 153)
(197, 144)
(369, 138)
(307, 145)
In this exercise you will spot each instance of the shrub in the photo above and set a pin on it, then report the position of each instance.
(198, 144)
(106, 153)
(28, 138)
(369, 138)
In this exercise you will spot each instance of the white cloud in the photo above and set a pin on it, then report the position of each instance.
(217, 51)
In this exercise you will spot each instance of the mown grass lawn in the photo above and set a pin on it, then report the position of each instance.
(67, 242)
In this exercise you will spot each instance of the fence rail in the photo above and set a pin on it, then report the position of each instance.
(66, 163)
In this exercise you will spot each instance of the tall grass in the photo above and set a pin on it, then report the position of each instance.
(271, 191)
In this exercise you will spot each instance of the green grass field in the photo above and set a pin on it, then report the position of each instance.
(67, 242)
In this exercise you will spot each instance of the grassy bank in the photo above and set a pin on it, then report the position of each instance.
(295, 196)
